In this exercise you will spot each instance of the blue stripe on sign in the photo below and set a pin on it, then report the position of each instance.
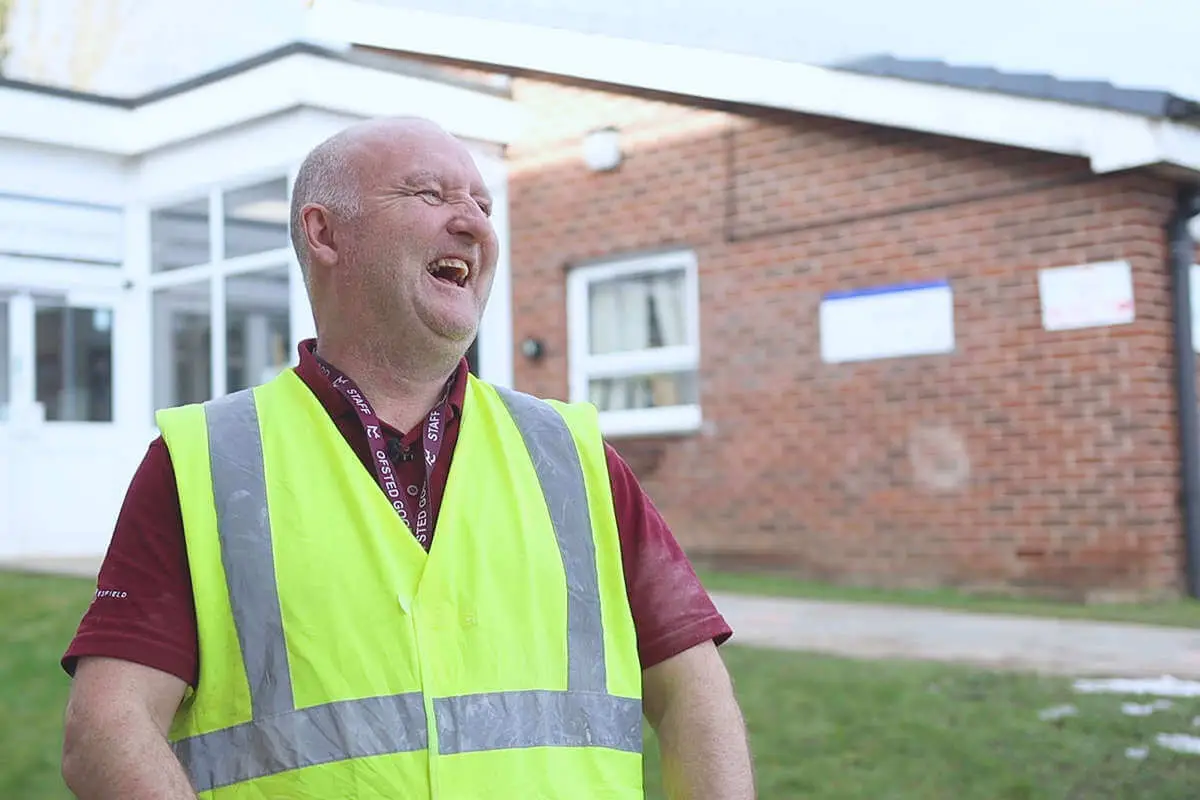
(895, 288)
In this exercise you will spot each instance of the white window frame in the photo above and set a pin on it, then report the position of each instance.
(583, 367)
(217, 269)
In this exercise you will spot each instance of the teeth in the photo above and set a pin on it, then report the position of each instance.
(453, 268)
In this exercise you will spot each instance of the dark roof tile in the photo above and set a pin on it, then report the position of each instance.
(1099, 94)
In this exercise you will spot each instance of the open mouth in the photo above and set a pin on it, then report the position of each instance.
(450, 270)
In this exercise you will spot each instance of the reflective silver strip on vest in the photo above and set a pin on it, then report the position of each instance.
(556, 461)
(503, 720)
(372, 726)
(281, 738)
(244, 528)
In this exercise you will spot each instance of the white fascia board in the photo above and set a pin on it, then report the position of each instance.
(32, 116)
(300, 80)
(1157, 142)
(1106, 138)
(259, 92)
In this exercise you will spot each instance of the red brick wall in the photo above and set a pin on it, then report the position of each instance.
(832, 471)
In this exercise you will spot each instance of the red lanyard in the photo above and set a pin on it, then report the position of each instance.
(411, 502)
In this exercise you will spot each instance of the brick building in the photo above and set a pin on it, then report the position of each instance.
(1021, 458)
(893, 324)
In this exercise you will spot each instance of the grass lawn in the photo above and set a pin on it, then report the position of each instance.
(821, 728)
(835, 729)
(38, 615)
(1183, 613)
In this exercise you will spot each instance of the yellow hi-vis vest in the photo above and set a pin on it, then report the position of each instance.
(339, 660)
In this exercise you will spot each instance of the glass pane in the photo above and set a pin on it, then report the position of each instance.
(637, 312)
(258, 330)
(182, 336)
(256, 218)
(73, 369)
(179, 236)
(644, 391)
(4, 398)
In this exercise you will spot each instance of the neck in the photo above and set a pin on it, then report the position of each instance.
(401, 390)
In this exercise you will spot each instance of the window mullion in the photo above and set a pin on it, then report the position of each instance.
(216, 246)
(22, 387)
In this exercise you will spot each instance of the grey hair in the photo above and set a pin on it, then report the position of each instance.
(327, 177)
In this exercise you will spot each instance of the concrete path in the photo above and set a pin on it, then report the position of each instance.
(1051, 646)
(862, 630)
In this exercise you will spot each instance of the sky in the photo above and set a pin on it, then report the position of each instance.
(1134, 43)
(1153, 44)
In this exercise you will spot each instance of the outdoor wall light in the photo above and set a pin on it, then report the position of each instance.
(533, 349)
(602, 149)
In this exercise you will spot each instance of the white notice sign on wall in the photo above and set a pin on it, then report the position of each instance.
(1086, 296)
(887, 322)
(1194, 295)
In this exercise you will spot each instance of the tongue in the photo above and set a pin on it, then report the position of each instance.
(455, 275)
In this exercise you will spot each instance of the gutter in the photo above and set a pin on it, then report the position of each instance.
(1182, 254)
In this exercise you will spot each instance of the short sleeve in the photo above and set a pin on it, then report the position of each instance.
(672, 611)
(143, 610)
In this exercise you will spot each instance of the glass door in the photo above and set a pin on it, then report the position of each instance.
(56, 359)
(73, 361)
(58, 418)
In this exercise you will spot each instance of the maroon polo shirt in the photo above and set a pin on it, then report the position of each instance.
(144, 610)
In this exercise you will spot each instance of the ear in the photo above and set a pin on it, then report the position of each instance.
(317, 225)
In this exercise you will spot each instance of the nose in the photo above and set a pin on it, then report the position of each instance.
(469, 221)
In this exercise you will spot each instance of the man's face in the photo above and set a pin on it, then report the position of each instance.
(423, 251)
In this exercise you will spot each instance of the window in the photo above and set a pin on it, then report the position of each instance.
(182, 345)
(257, 332)
(256, 219)
(222, 273)
(73, 372)
(179, 236)
(635, 343)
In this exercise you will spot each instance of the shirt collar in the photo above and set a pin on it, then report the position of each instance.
(309, 371)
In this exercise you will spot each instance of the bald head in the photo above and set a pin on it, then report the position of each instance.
(391, 224)
(332, 173)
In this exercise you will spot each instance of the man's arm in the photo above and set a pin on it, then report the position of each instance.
(115, 733)
(135, 651)
(690, 703)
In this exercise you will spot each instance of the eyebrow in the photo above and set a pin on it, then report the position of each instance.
(422, 176)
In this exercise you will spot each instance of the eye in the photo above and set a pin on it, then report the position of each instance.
(485, 207)
(430, 194)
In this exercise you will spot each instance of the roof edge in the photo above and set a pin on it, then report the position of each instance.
(354, 55)
(1105, 137)
(1150, 103)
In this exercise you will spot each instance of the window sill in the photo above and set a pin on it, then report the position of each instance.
(643, 422)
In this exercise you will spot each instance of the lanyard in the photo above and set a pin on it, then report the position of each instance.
(411, 502)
